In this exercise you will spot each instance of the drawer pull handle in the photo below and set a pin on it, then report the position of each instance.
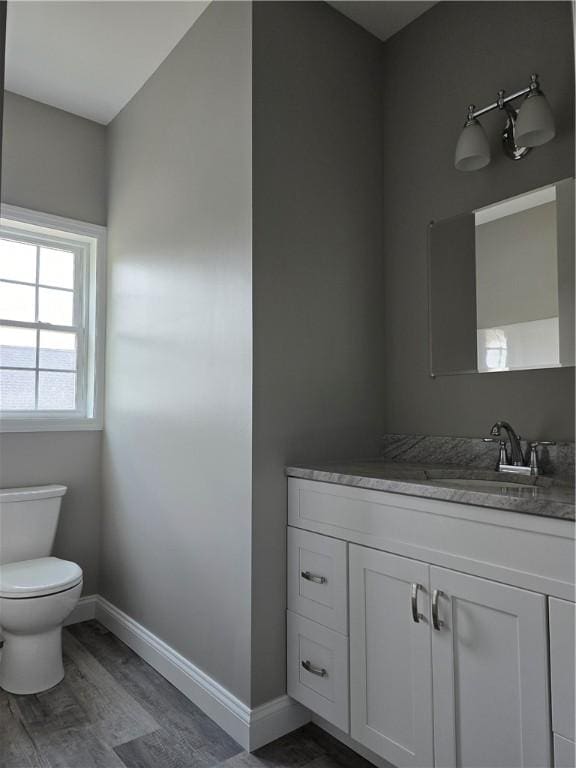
(311, 577)
(414, 603)
(436, 622)
(309, 667)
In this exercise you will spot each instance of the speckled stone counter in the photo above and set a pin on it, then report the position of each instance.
(547, 496)
(557, 461)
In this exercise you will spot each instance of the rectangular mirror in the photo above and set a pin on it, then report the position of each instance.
(501, 285)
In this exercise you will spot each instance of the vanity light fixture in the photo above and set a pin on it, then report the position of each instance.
(530, 126)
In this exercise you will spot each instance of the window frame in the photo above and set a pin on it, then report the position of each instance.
(88, 242)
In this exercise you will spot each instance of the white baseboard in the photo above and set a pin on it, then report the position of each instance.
(274, 719)
(84, 611)
(251, 728)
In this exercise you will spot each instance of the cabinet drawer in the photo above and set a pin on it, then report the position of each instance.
(318, 578)
(562, 668)
(318, 669)
(564, 752)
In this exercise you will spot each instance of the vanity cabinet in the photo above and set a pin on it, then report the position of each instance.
(438, 665)
(446, 664)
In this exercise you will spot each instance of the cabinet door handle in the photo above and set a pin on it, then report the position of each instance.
(436, 622)
(312, 577)
(414, 603)
(309, 667)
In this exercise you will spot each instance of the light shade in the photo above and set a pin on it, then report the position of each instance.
(535, 123)
(472, 149)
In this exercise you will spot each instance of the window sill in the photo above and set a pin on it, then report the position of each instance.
(49, 424)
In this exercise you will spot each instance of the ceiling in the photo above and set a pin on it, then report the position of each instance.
(384, 18)
(90, 58)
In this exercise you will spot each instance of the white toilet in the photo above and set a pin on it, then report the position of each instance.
(37, 592)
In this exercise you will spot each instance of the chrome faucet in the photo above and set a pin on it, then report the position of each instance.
(516, 454)
(517, 463)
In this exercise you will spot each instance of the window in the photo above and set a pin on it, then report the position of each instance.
(51, 286)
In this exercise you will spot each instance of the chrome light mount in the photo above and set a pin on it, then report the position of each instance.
(511, 148)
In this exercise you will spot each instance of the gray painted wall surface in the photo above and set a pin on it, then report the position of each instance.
(318, 363)
(53, 161)
(452, 312)
(177, 448)
(71, 458)
(455, 54)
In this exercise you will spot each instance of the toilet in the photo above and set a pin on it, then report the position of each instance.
(37, 592)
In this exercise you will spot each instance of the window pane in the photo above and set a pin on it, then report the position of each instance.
(56, 268)
(57, 350)
(17, 390)
(56, 391)
(17, 261)
(55, 307)
(17, 347)
(17, 302)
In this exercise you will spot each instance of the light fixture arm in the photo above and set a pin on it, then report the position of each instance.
(503, 100)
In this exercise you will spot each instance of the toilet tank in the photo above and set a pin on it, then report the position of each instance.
(28, 521)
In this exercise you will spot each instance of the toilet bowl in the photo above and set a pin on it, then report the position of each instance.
(36, 597)
(37, 592)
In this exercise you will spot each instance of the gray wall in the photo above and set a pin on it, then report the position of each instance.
(454, 54)
(453, 312)
(177, 447)
(54, 162)
(318, 289)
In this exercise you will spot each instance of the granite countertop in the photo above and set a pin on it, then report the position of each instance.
(543, 496)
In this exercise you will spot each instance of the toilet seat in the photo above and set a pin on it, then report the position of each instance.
(38, 578)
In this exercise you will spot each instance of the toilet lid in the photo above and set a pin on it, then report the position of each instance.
(36, 578)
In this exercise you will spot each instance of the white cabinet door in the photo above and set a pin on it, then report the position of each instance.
(390, 664)
(563, 668)
(490, 662)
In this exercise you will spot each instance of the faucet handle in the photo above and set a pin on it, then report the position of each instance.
(536, 443)
(502, 454)
(534, 468)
